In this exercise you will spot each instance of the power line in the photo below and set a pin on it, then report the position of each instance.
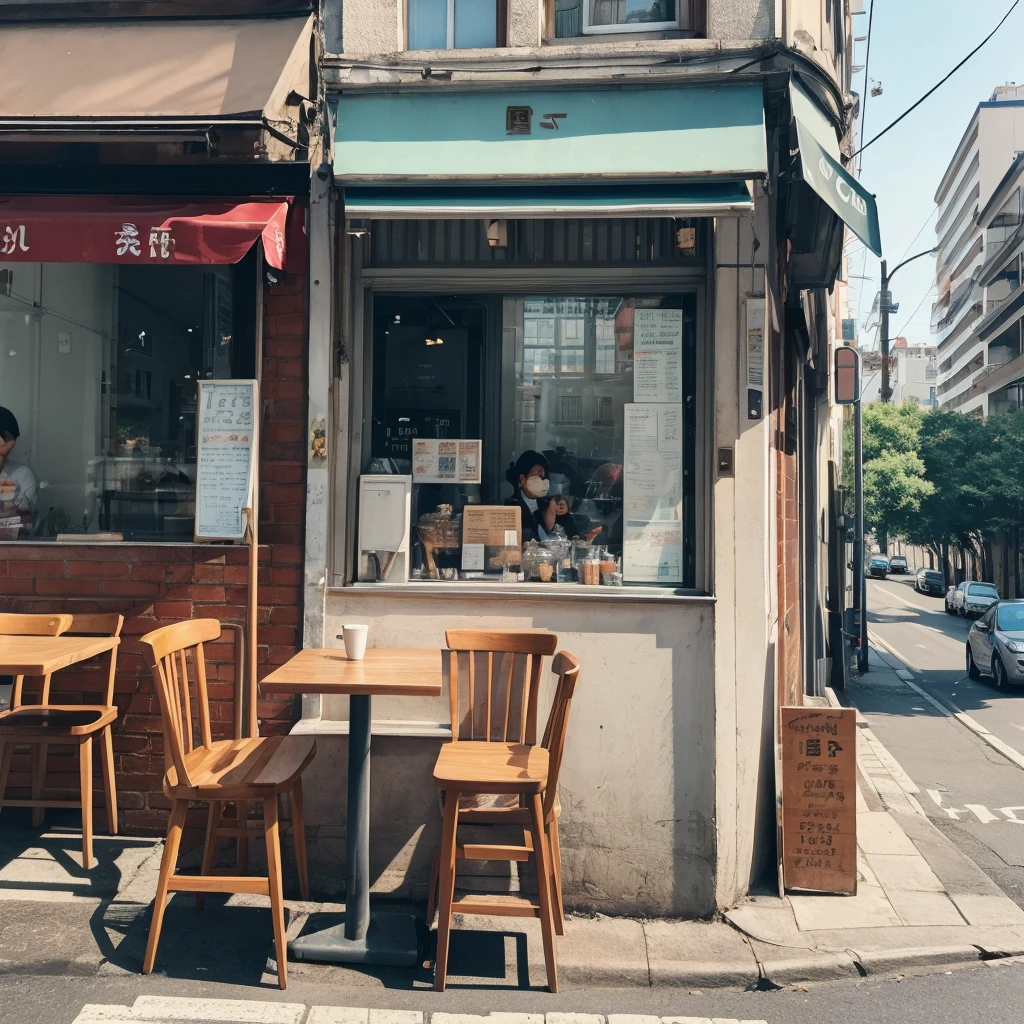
(942, 82)
(912, 315)
(931, 214)
(867, 90)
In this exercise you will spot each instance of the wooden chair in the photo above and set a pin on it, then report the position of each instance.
(494, 753)
(44, 724)
(216, 772)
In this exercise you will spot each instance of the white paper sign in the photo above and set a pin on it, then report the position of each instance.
(755, 342)
(445, 461)
(658, 355)
(653, 494)
(225, 463)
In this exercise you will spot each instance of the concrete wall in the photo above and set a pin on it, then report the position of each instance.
(637, 788)
(741, 19)
(744, 613)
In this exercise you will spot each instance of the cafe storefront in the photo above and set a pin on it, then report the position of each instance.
(150, 238)
(541, 419)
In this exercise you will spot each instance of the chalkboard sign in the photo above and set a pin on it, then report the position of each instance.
(819, 799)
(225, 463)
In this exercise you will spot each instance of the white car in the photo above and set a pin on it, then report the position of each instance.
(971, 599)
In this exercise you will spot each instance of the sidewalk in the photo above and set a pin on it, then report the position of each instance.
(921, 905)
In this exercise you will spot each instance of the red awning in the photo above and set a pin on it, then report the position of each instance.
(150, 232)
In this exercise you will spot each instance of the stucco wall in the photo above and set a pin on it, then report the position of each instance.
(744, 615)
(372, 26)
(637, 789)
(741, 19)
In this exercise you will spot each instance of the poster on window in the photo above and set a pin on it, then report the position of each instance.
(652, 549)
(225, 457)
(658, 355)
(445, 461)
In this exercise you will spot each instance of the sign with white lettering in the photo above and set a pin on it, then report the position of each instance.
(226, 457)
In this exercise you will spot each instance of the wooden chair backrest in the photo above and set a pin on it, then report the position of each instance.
(95, 625)
(184, 701)
(494, 682)
(567, 668)
(13, 624)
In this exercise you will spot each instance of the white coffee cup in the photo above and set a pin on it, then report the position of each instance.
(355, 640)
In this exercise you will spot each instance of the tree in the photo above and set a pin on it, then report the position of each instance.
(894, 488)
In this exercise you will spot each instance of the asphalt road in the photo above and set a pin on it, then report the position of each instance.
(978, 995)
(971, 791)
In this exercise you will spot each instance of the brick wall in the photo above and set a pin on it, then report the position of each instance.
(153, 585)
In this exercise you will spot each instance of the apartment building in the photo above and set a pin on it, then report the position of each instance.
(966, 344)
(913, 373)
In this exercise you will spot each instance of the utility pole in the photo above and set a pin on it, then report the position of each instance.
(887, 306)
(884, 306)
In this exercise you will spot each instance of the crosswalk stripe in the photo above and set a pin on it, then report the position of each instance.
(179, 1010)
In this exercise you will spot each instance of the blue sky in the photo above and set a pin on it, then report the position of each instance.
(913, 44)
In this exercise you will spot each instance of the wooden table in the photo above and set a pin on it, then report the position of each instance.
(43, 655)
(383, 938)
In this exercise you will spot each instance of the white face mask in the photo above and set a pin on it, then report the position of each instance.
(537, 486)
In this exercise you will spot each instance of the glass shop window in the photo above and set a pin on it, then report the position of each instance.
(98, 371)
(548, 439)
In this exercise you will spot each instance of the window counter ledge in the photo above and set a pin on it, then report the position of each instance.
(529, 592)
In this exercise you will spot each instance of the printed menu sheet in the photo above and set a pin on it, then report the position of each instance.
(658, 355)
(819, 799)
(445, 461)
(653, 493)
(225, 466)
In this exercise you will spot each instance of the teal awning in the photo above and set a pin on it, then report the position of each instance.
(822, 169)
(696, 199)
(651, 134)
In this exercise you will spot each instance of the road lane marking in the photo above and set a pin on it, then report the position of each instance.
(951, 812)
(950, 710)
(1011, 814)
(982, 813)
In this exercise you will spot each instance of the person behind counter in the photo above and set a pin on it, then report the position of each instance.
(530, 477)
(18, 487)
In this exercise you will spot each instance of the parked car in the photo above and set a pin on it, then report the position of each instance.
(878, 567)
(898, 564)
(971, 599)
(995, 644)
(928, 581)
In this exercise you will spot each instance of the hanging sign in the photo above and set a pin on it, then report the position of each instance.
(225, 457)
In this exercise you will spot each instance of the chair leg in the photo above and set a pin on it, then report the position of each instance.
(167, 862)
(446, 887)
(241, 819)
(556, 877)
(435, 879)
(542, 857)
(272, 832)
(85, 776)
(38, 781)
(299, 837)
(210, 845)
(6, 753)
(109, 785)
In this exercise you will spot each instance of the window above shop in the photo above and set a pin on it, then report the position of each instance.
(456, 24)
(574, 18)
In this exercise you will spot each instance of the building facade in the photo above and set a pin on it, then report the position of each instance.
(584, 241)
(966, 348)
(560, 229)
(913, 374)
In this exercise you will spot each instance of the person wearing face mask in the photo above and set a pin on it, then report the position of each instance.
(18, 487)
(530, 477)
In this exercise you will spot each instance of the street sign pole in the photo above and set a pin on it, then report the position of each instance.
(885, 306)
(860, 591)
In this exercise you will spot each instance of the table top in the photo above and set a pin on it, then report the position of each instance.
(413, 672)
(41, 655)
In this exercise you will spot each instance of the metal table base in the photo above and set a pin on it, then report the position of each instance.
(357, 937)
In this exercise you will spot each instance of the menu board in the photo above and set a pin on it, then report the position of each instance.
(653, 494)
(819, 799)
(658, 355)
(491, 537)
(225, 463)
(445, 461)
